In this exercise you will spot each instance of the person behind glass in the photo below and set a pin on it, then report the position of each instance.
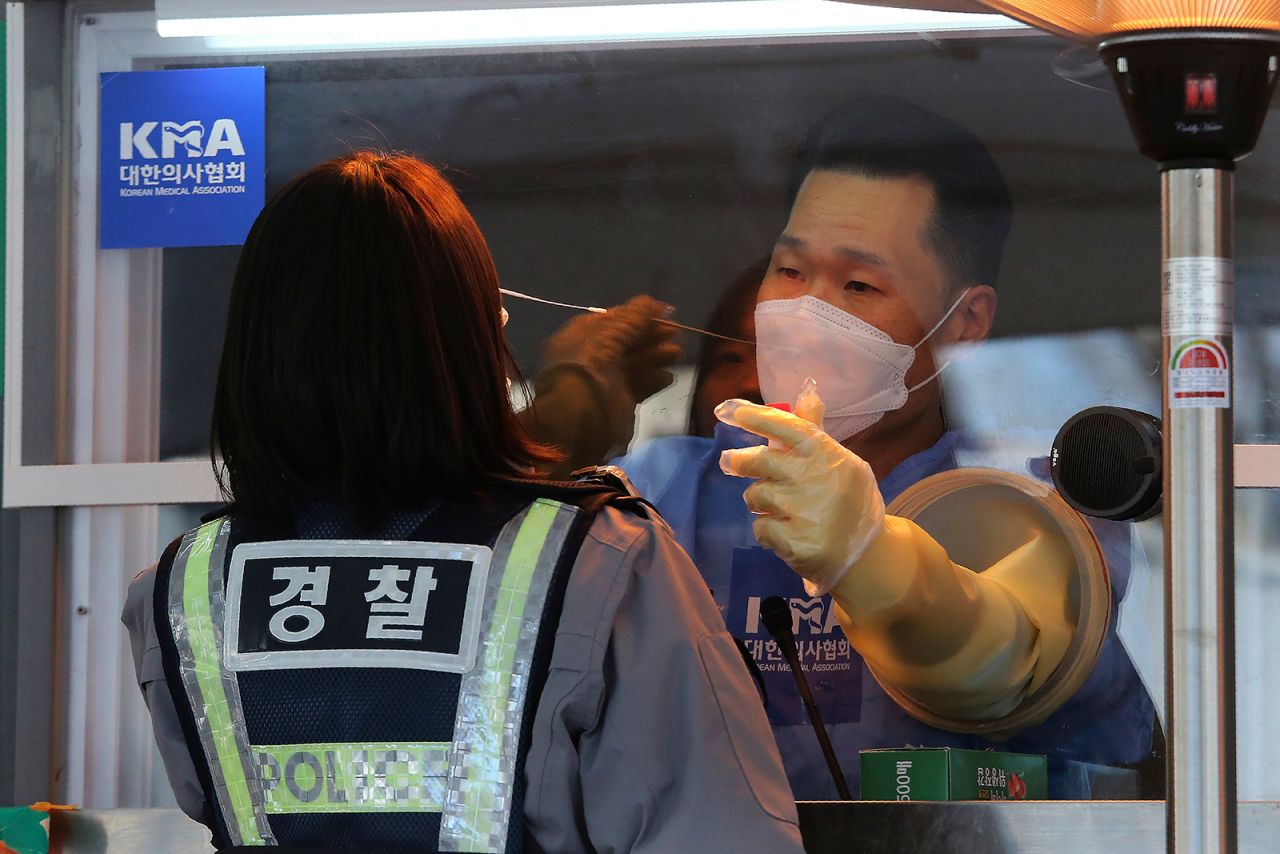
(395, 638)
(892, 249)
(726, 369)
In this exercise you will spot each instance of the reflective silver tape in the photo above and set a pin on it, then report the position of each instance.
(196, 610)
(491, 703)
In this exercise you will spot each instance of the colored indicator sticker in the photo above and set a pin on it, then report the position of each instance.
(1199, 375)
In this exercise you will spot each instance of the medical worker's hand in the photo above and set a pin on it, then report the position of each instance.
(625, 350)
(593, 372)
(962, 646)
(819, 504)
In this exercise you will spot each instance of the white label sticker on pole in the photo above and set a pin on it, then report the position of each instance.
(1197, 296)
(1199, 374)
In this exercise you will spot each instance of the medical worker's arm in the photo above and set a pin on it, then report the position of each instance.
(649, 736)
(966, 646)
(591, 375)
(148, 667)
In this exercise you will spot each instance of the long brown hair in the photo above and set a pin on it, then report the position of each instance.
(364, 356)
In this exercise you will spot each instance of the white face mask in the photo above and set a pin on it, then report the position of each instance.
(861, 371)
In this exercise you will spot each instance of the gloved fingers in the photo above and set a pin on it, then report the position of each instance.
(765, 421)
(586, 338)
(652, 330)
(766, 499)
(656, 355)
(574, 330)
(646, 370)
(645, 385)
(603, 339)
(771, 532)
(644, 305)
(668, 352)
(661, 352)
(634, 318)
(736, 461)
(781, 535)
(762, 463)
(623, 323)
(654, 344)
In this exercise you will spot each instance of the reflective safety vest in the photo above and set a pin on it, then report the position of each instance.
(370, 695)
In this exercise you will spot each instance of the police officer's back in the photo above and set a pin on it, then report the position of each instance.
(395, 638)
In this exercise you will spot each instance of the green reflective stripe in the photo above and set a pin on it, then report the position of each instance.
(490, 707)
(208, 667)
(351, 778)
(508, 611)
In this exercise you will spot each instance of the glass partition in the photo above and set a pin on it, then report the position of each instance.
(597, 175)
(600, 174)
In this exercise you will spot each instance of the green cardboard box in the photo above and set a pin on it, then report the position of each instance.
(951, 774)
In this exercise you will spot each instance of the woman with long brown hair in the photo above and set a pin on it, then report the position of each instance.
(395, 637)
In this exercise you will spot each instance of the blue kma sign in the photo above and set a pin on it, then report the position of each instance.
(831, 665)
(182, 156)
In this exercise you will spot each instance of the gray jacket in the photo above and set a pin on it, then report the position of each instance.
(649, 735)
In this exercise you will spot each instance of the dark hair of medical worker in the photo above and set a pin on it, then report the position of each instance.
(887, 137)
(364, 357)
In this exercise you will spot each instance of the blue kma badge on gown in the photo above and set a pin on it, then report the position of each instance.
(832, 667)
(182, 158)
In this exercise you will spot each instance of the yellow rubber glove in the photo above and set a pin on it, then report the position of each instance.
(962, 646)
(966, 646)
(819, 504)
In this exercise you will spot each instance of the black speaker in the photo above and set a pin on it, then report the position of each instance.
(1106, 462)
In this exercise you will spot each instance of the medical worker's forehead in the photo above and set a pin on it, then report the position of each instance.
(880, 222)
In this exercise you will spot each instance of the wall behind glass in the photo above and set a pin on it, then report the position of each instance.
(601, 174)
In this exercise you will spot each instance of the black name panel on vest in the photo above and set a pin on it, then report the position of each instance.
(355, 603)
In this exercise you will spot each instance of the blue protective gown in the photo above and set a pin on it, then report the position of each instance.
(1108, 722)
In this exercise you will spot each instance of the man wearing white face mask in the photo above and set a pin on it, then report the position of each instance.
(890, 254)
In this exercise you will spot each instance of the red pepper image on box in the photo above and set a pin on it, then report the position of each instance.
(1017, 788)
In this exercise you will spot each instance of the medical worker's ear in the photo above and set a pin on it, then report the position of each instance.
(973, 318)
